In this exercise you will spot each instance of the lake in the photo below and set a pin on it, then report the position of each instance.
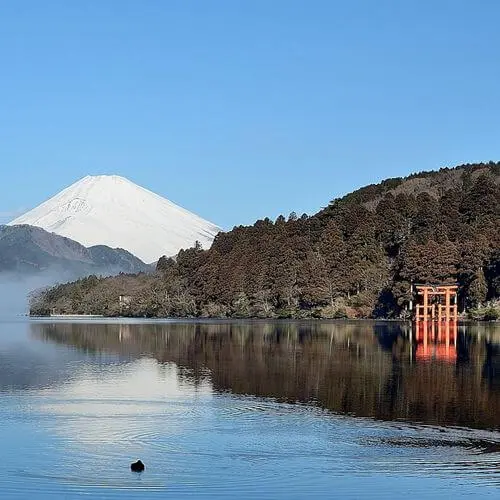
(248, 409)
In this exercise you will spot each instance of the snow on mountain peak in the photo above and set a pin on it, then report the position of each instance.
(111, 210)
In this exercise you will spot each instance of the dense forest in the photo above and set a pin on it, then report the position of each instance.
(356, 258)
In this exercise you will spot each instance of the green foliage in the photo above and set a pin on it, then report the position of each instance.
(337, 310)
(489, 312)
(241, 306)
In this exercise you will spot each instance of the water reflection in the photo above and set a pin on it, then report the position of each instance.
(436, 341)
(443, 376)
(122, 407)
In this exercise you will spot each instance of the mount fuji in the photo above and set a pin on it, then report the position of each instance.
(113, 211)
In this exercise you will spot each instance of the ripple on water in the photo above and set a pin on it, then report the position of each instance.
(228, 444)
(79, 439)
(435, 451)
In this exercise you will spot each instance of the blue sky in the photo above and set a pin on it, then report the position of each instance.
(238, 109)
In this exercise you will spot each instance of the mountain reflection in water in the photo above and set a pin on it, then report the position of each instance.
(380, 370)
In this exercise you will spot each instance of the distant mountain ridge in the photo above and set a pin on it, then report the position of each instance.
(27, 249)
(113, 211)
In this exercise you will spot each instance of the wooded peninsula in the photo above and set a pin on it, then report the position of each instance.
(356, 258)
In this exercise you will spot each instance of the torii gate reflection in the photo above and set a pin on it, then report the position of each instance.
(436, 341)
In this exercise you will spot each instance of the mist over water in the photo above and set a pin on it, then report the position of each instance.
(248, 409)
(15, 290)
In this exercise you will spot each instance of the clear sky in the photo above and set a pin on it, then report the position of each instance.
(242, 109)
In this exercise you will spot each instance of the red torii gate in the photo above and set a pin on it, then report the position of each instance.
(432, 307)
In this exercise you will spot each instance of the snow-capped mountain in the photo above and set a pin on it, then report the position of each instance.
(110, 210)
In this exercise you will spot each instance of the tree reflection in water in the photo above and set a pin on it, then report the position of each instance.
(382, 370)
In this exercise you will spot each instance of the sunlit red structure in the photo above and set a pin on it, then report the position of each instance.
(436, 303)
(436, 341)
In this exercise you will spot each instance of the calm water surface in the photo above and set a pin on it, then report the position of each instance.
(248, 410)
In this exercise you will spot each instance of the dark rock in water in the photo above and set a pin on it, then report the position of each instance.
(137, 466)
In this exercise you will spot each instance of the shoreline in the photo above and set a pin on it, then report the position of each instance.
(172, 319)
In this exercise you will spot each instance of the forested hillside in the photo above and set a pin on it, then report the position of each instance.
(355, 258)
